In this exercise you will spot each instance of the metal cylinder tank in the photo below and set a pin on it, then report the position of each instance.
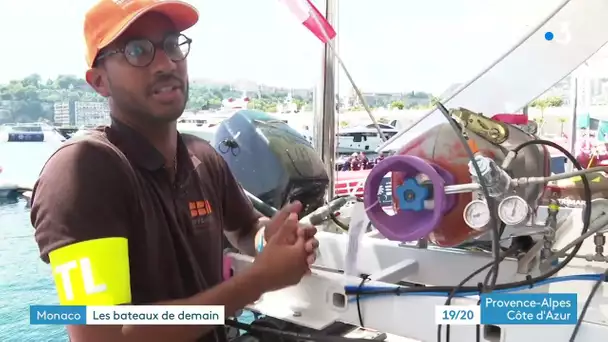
(435, 141)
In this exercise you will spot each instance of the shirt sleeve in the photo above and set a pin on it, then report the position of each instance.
(81, 195)
(81, 215)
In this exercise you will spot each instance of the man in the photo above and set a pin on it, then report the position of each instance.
(136, 213)
(346, 165)
(355, 162)
(381, 157)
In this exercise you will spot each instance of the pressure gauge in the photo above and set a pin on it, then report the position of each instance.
(477, 214)
(599, 207)
(513, 210)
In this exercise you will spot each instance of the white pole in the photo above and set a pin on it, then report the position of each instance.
(324, 128)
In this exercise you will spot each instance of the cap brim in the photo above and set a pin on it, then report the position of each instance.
(182, 14)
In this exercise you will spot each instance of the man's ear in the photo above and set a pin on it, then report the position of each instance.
(97, 79)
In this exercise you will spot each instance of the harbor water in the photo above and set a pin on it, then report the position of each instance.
(24, 279)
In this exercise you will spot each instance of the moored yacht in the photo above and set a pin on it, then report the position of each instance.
(29, 132)
(362, 139)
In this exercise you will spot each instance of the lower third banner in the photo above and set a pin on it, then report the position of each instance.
(127, 314)
(528, 308)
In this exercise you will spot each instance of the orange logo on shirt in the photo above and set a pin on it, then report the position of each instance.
(200, 208)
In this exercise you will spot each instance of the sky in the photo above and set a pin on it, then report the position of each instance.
(390, 46)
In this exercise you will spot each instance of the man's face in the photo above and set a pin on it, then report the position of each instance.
(157, 92)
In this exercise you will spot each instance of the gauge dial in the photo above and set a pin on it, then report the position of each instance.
(599, 207)
(513, 210)
(477, 214)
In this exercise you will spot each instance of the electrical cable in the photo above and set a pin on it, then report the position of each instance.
(333, 216)
(587, 304)
(290, 334)
(489, 282)
(513, 249)
(370, 292)
(260, 205)
(359, 313)
(494, 221)
(337, 222)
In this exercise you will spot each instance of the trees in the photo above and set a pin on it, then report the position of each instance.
(397, 105)
(542, 105)
(551, 101)
(32, 98)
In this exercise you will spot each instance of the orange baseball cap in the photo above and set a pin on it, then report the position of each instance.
(108, 19)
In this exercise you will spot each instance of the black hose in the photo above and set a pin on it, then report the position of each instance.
(260, 206)
(494, 221)
(512, 250)
(335, 219)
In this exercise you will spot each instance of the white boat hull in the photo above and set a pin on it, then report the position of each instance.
(11, 190)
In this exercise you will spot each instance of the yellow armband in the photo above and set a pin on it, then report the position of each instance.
(94, 272)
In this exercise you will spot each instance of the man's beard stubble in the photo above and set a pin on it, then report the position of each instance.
(127, 104)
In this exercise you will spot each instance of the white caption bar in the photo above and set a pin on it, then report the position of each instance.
(155, 315)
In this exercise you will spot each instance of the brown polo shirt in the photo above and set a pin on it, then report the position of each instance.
(86, 191)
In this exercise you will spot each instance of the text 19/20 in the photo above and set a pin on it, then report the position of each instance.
(457, 314)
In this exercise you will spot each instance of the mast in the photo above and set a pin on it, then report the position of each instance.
(324, 119)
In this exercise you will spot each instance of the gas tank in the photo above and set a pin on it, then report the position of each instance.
(435, 142)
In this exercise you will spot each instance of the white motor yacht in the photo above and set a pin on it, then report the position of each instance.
(363, 138)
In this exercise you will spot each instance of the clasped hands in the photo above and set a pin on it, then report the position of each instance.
(290, 249)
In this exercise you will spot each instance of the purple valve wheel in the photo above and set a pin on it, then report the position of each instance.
(408, 225)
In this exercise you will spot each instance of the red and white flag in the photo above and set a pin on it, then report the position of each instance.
(311, 18)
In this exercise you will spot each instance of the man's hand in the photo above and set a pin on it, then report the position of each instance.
(284, 260)
(306, 231)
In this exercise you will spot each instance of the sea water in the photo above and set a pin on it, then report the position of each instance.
(24, 279)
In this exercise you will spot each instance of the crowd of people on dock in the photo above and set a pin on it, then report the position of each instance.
(359, 161)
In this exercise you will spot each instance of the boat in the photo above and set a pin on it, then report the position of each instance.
(81, 132)
(202, 125)
(288, 106)
(30, 132)
(9, 190)
(24, 133)
(362, 138)
(232, 103)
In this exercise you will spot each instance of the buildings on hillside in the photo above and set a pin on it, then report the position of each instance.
(76, 113)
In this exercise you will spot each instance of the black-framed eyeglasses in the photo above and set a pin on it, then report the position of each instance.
(141, 52)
